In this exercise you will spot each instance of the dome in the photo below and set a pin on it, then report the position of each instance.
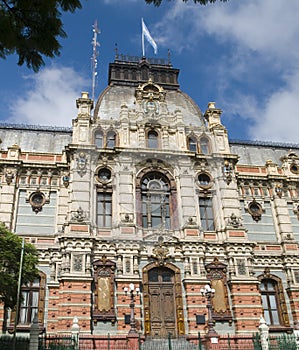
(139, 84)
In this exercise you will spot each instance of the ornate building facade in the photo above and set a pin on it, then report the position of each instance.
(145, 189)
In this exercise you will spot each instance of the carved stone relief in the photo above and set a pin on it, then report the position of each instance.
(103, 308)
(216, 273)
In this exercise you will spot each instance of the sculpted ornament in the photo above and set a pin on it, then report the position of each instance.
(9, 176)
(81, 163)
(160, 253)
(127, 217)
(78, 216)
(278, 190)
(234, 221)
(228, 172)
(66, 179)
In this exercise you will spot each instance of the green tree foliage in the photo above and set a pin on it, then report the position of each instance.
(201, 2)
(31, 28)
(10, 254)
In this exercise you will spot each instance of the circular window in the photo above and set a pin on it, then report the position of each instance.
(255, 210)
(37, 200)
(104, 174)
(254, 207)
(204, 180)
(294, 168)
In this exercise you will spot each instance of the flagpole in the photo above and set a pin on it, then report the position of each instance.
(94, 61)
(142, 38)
(18, 295)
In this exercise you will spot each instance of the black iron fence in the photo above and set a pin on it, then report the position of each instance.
(21, 343)
(283, 342)
(169, 343)
(61, 342)
(228, 342)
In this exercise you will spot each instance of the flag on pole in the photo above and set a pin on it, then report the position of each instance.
(146, 33)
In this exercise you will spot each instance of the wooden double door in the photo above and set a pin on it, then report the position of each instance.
(162, 302)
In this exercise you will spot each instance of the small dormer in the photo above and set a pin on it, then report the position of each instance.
(290, 162)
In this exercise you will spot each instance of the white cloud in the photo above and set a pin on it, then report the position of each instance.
(176, 29)
(278, 118)
(270, 27)
(50, 98)
(256, 76)
(265, 33)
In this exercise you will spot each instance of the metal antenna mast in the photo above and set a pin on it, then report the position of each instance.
(95, 53)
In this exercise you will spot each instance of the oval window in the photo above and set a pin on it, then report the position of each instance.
(104, 174)
(204, 180)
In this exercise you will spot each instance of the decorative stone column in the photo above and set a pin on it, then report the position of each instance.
(264, 334)
(34, 332)
(75, 333)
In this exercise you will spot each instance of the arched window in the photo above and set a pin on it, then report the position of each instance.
(152, 139)
(273, 300)
(111, 138)
(155, 195)
(160, 274)
(192, 144)
(99, 139)
(204, 145)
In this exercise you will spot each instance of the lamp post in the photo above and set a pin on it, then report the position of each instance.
(131, 290)
(209, 293)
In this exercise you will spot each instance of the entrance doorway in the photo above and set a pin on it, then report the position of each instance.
(162, 302)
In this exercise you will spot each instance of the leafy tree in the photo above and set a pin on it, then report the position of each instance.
(30, 28)
(201, 2)
(10, 254)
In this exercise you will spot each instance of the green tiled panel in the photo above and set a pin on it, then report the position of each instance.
(262, 230)
(39, 223)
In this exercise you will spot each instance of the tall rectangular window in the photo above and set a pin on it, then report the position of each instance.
(32, 303)
(206, 214)
(104, 209)
(152, 139)
(29, 304)
(99, 139)
(269, 301)
(111, 138)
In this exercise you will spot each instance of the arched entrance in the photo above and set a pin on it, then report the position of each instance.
(163, 305)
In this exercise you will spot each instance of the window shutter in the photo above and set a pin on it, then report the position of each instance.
(41, 299)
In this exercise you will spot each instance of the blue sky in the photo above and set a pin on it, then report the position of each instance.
(243, 55)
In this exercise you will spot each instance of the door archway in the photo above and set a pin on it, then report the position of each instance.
(163, 303)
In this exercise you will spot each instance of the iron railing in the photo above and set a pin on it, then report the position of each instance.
(62, 342)
(6, 343)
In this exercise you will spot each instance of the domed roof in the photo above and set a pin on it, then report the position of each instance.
(132, 82)
(110, 101)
